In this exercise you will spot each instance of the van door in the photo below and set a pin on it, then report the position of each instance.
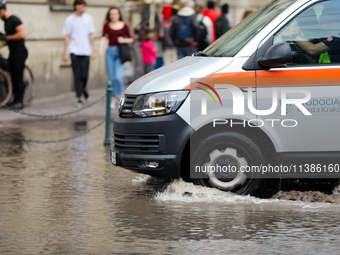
(314, 39)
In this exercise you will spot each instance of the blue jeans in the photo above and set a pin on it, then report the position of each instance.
(184, 51)
(115, 70)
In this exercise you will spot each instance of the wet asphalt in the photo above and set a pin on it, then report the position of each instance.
(67, 198)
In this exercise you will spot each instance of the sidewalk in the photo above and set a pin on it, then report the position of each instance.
(60, 104)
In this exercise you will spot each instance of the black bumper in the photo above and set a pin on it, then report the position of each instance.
(159, 141)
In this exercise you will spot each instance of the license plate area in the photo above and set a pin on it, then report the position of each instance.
(113, 157)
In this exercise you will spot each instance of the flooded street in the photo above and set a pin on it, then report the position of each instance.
(67, 198)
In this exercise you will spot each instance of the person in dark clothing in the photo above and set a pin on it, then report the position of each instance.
(183, 30)
(14, 38)
(169, 48)
(222, 23)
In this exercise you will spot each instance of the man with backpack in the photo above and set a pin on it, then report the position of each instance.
(169, 49)
(184, 30)
(204, 37)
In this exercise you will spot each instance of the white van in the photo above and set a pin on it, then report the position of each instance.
(259, 104)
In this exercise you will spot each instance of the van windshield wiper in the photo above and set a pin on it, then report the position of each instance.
(200, 53)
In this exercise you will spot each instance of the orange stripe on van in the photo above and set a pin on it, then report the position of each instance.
(239, 79)
(298, 77)
(273, 78)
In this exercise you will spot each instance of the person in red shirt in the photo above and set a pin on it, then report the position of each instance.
(213, 15)
(116, 31)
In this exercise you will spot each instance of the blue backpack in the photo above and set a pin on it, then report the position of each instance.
(184, 32)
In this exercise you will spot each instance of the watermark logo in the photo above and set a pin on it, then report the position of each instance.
(213, 90)
(238, 99)
(204, 99)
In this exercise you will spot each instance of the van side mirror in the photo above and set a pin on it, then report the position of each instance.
(277, 55)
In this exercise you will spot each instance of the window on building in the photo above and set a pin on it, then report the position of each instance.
(59, 5)
(57, 2)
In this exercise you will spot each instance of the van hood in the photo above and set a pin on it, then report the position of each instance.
(177, 75)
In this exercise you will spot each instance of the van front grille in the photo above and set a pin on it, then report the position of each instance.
(129, 100)
(139, 143)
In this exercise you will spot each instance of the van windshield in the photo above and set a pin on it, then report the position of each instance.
(231, 42)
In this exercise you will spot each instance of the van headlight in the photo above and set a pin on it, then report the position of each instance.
(157, 104)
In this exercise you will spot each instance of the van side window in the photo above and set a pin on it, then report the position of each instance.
(314, 35)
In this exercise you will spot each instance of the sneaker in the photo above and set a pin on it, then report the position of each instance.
(114, 105)
(17, 106)
(79, 104)
(86, 94)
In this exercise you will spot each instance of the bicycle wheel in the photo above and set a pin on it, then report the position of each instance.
(29, 88)
(5, 88)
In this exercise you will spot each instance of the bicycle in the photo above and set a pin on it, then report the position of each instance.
(6, 89)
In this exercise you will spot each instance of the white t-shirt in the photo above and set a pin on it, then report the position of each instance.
(208, 24)
(79, 28)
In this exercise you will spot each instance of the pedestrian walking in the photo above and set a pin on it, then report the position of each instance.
(184, 30)
(79, 43)
(169, 49)
(116, 32)
(149, 51)
(137, 41)
(15, 40)
(222, 23)
(205, 28)
(213, 15)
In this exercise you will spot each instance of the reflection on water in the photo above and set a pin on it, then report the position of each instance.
(68, 198)
(12, 146)
(80, 125)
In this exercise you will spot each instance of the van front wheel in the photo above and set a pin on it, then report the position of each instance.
(220, 162)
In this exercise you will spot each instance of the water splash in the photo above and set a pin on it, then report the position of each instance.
(148, 180)
(336, 190)
(181, 191)
(141, 179)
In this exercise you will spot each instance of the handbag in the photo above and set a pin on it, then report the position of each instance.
(124, 52)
